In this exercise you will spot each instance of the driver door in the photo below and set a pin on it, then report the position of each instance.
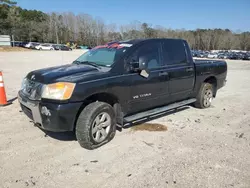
(151, 91)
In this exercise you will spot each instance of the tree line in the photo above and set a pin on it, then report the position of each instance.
(84, 29)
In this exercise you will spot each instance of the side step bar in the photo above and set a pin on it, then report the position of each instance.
(156, 111)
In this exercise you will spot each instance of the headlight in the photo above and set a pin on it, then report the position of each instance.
(58, 91)
(23, 83)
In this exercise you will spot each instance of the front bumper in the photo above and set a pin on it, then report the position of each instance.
(50, 116)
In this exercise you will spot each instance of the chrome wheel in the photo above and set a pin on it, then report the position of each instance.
(101, 127)
(208, 97)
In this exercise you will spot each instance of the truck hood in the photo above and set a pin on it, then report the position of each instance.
(58, 73)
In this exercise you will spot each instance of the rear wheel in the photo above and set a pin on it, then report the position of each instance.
(96, 125)
(205, 96)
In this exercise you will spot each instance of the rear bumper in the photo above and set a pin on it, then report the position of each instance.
(50, 116)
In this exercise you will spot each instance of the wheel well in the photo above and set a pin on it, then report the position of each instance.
(102, 97)
(212, 80)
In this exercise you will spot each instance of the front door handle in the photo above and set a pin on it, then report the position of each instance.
(163, 74)
(190, 69)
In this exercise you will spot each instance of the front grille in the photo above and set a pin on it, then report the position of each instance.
(33, 90)
(27, 111)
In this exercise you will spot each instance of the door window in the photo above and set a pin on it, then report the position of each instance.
(150, 55)
(174, 52)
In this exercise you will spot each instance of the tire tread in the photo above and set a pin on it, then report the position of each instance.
(83, 125)
(199, 97)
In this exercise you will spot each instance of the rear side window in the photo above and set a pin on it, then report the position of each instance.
(150, 53)
(174, 52)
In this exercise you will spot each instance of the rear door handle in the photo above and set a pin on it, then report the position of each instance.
(189, 69)
(163, 74)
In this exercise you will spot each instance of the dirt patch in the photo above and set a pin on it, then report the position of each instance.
(12, 49)
(149, 127)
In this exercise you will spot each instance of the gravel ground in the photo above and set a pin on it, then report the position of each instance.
(201, 148)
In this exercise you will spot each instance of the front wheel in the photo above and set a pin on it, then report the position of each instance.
(96, 125)
(205, 96)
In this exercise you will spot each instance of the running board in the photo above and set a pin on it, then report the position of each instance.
(156, 111)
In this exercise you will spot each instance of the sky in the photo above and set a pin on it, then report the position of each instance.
(174, 14)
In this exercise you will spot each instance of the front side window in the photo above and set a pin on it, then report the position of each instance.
(149, 54)
(104, 55)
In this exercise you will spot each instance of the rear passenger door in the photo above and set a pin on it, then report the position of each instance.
(181, 72)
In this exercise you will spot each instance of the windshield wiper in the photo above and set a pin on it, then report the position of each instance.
(86, 62)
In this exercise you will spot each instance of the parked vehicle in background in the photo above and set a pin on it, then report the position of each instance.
(241, 55)
(17, 44)
(56, 46)
(202, 54)
(31, 45)
(65, 48)
(234, 55)
(83, 47)
(23, 44)
(62, 47)
(223, 55)
(212, 55)
(45, 47)
(117, 84)
(199, 53)
(246, 56)
(194, 53)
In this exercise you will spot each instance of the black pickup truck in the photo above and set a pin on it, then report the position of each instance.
(118, 83)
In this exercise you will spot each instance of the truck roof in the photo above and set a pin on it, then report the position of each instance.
(136, 41)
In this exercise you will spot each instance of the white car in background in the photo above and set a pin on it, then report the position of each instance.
(31, 45)
(212, 55)
(45, 47)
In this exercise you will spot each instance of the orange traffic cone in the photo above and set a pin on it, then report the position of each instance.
(3, 99)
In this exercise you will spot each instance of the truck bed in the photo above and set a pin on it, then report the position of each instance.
(210, 68)
(208, 61)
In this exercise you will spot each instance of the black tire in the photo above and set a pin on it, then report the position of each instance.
(202, 99)
(40, 48)
(86, 119)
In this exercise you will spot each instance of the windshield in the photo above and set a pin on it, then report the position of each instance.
(104, 55)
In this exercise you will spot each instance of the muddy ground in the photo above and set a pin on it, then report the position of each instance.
(198, 148)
